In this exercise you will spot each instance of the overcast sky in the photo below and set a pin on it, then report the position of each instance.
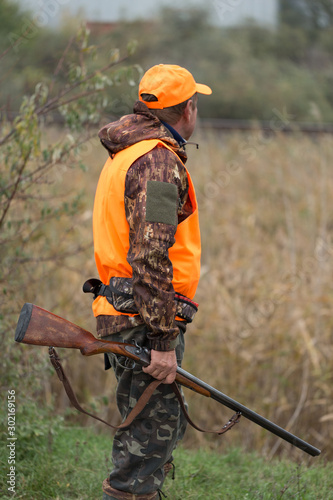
(223, 12)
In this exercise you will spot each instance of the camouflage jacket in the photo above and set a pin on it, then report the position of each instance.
(149, 241)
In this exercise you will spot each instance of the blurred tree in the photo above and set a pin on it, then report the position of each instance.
(188, 38)
(11, 17)
(307, 14)
(40, 209)
(320, 13)
(293, 13)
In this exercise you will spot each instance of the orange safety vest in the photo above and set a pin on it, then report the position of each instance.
(111, 230)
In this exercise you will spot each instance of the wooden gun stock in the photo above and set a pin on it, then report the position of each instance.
(40, 327)
(37, 326)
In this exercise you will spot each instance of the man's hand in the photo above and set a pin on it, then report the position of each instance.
(163, 366)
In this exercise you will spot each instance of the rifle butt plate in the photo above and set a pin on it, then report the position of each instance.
(23, 322)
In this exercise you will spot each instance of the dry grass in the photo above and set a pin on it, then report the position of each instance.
(263, 333)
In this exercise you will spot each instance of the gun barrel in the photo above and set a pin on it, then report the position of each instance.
(253, 416)
(40, 327)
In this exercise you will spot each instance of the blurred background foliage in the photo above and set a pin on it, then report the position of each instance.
(252, 69)
(265, 315)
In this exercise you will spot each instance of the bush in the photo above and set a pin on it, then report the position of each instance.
(41, 210)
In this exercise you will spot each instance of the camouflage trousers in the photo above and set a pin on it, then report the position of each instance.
(141, 450)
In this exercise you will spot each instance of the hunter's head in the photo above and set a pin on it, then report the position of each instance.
(171, 93)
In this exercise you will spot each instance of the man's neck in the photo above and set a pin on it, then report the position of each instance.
(181, 141)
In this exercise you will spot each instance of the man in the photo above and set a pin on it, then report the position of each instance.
(147, 250)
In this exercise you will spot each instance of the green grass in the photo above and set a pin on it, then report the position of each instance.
(73, 464)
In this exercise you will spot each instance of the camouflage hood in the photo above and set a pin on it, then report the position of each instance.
(139, 126)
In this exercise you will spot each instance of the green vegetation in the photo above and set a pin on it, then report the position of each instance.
(252, 70)
(73, 463)
(41, 208)
(313, 17)
(263, 333)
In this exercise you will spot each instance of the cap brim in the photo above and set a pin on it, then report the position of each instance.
(203, 89)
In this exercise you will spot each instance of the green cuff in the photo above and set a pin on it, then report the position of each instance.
(163, 345)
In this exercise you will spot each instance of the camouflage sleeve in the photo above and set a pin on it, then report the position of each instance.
(156, 191)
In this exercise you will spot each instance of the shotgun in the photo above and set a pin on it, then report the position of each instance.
(40, 327)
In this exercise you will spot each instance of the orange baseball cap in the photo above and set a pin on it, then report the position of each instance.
(171, 85)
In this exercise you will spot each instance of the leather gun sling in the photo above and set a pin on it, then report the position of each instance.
(143, 400)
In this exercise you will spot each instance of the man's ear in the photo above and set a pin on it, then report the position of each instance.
(189, 108)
